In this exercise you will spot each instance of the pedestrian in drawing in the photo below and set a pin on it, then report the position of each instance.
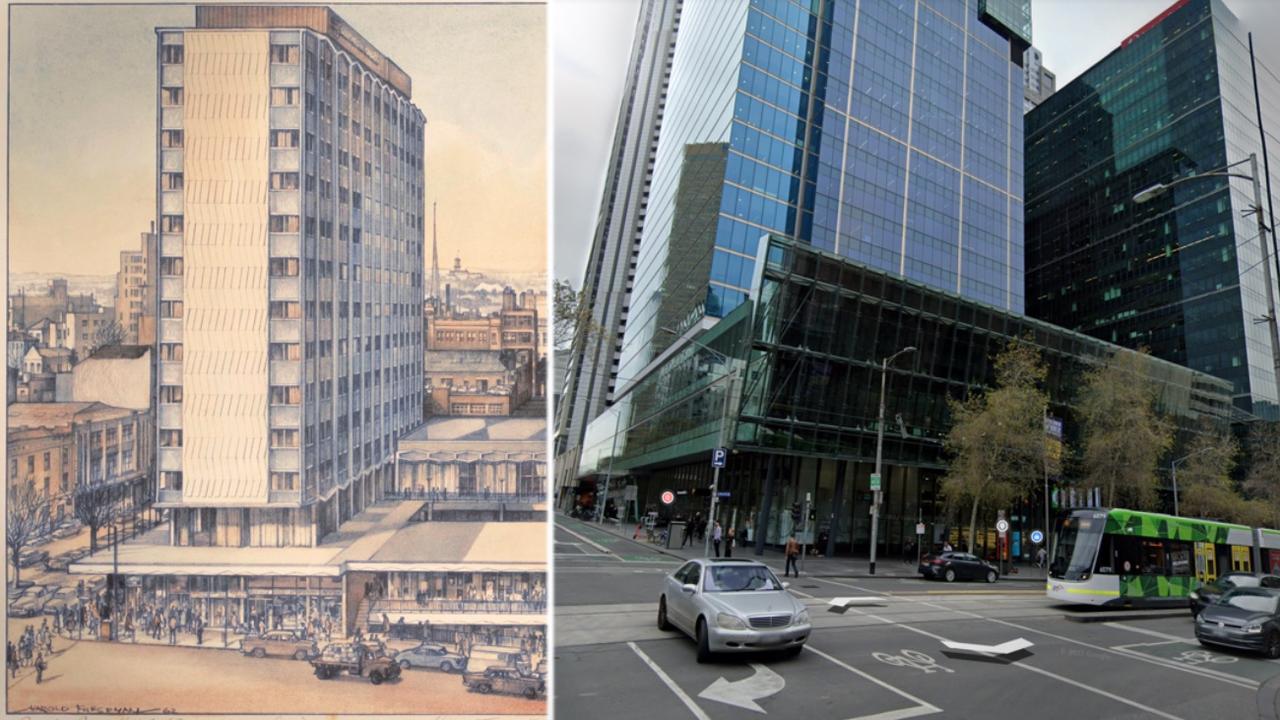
(11, 659)
(40, 668)
(792, 552)
(728, 542)
(715, 537)
(173, 629)
(199, 630)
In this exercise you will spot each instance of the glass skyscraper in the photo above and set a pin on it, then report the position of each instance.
(1181, 274)
(889, 133)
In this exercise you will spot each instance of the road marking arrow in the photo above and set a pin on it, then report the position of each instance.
(744, 693)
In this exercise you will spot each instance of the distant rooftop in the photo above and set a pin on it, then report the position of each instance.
(480, 429)
(120, 352)
(463, 361)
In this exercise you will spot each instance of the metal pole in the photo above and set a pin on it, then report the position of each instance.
(1266, 271)
(617, 423)
(1045, 539)
(1174, 466)
(875, 500)
(715, 475)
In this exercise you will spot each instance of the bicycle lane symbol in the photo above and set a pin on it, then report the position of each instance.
(1203, 657)
(912, 659)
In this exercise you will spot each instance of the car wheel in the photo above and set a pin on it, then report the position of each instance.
(704, 642)
(949, 575)
(375, 677)
(300, 655)
(483, 688)
(404, 664)
(663, 624)
(446, 666)
(259, 652)
(991, 576)
(322, 673)
(531, 693)
(1273, 645)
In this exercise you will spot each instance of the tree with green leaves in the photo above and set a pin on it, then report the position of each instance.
(1124, 435)
(1205, 488)
(996, 440)
(1262, 479)
(572, 313)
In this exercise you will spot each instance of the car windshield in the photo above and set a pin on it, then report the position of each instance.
(1251, 601)
(739, 578)
(1240, 581)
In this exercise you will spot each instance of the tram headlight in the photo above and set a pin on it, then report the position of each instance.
(1195, 595)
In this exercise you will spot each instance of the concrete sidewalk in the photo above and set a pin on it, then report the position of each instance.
(833, 567)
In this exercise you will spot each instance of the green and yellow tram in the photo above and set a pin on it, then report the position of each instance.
(1125, 557)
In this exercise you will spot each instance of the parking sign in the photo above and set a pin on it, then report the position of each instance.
(717, 457)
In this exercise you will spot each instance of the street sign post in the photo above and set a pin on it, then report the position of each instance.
(668, 497)
(1002, 526)
(1037, 537)
(875, 481)
(718, 457)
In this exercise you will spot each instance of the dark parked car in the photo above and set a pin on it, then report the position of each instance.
(507, 680)
(1246, 618)
(1209, 593)
(952, 566)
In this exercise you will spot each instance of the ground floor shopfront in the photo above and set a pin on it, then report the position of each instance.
(839, 497)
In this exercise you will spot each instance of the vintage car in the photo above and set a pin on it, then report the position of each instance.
(355, 659)
(431, 655)
(505, 679)
(279, 643)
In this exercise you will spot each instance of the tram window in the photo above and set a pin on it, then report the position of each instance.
(1149, 556)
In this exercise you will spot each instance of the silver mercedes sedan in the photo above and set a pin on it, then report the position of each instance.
(732, 605)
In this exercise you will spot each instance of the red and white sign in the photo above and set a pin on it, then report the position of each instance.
(668, 497)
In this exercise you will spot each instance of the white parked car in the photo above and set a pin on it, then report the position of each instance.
(732, 605)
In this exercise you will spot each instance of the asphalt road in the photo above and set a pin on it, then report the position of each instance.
(92, 677)
(885, 661)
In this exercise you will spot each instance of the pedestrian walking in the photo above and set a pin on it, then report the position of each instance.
(715, 537)
(946, 547)
(792, 552)
(1040, 555)
(40, 667)
(728, 543)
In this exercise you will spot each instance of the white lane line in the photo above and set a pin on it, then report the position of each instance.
(684, 697)
(1152, 633)
(923, 708)
(584, 539)
(1023, 666)
(801, 593)
(1161, 662)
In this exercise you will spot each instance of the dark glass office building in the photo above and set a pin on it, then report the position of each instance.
(1181, 274)
(791, 378)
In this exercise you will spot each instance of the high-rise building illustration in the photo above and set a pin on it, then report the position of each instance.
(135, 291)
(1181, 274)
(290, 220)
(592, 373)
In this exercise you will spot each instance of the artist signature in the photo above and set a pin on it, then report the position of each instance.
(97, 710)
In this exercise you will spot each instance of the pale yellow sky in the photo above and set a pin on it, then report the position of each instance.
(82, 127)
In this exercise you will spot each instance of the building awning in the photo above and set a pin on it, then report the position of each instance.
(464, 567)
(106, 568)
(463, 619)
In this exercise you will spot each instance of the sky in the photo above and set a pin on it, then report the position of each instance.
(587, 76)
(82, 127)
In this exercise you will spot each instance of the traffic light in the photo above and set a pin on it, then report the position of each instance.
(795, 513)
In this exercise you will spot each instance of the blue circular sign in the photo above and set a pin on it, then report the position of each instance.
(1037, 537)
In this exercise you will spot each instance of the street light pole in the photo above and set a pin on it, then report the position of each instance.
(732, 380)
(1173, 467)
(875, 500)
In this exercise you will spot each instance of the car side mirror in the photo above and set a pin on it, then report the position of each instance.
(785, 584)
(689, 588)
